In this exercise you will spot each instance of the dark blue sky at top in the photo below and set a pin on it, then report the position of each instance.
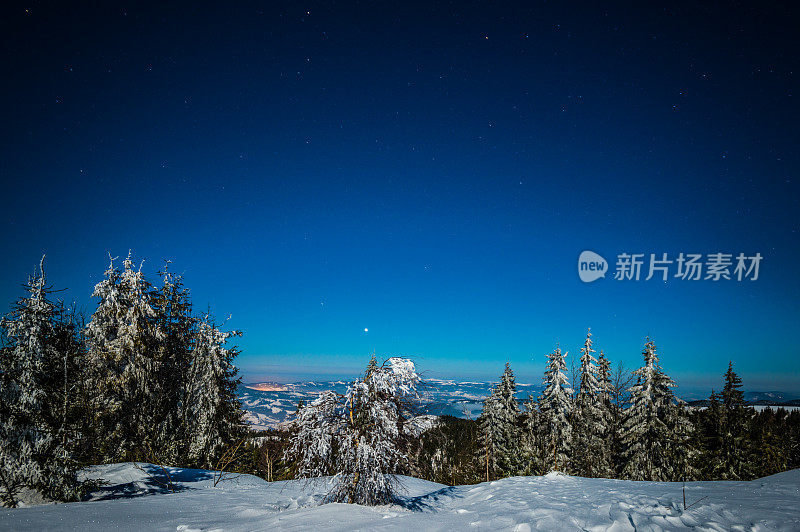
(429, 172)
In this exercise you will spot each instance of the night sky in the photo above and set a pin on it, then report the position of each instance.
(427, 172)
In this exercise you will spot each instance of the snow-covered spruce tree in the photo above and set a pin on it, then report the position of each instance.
(33, 441)
(644, 432)
(656, 429)
(122, 338)
(555, 406)
(734, 446)
(531, 439)
(317, 425)
(499, 436)
(66, 390)
(604, 379)
(711, 420)
(357, 436)
(681, 447)
(174, 316)
(488, 437)
(214, 415)
(508, 450)
(590, 456)
(608, 408)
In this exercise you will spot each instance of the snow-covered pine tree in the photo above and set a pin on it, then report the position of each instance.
(316, 427)
(656, 430)
(555, 406)
(681, 447)
(508, 450)
(604, 378)
(33, 444)
(608, 409)
(174, 315)
(711, 437)
(736, 415)
(488, 437)
(122, 338)
(644, 431)
(499, 436)
(67, 394)
(590, 456)
(531, 439)
(373, 453)
(357, 436)
(214, 415)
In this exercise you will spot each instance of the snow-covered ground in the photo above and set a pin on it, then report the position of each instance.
(133, 500)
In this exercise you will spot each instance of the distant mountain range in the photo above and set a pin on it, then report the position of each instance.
(771, 398)
(269, 404)
(762, 399)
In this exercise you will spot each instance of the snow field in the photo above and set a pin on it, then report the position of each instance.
(133, 500)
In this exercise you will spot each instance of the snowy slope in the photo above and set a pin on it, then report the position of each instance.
(133, 501)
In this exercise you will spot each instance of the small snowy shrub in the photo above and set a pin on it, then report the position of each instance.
(356, 437)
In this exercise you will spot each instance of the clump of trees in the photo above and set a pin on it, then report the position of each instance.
(632, 428)
(144, 380)
(617, 424)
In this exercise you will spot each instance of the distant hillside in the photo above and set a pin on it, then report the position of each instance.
(269, 404)
(762, 399)
(267, 387)
(771, 398)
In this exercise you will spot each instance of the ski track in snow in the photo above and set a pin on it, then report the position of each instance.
(133, 501)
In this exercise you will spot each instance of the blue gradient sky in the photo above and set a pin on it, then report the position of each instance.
(429, 173)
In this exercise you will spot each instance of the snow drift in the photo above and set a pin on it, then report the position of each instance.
(135, 498)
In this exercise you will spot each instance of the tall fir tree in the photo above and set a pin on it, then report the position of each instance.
(612, 434)
(35, 452)
(710, 437)
(644, 431)
(508, 456)
(489, 437)
(123, 337)
(174, 315)
(591, 455)
(214, 416)
(531, 439)
(500, 436)
(734, 457)
(555, 406)
(67, 392)
(681, 447)
(656, 429)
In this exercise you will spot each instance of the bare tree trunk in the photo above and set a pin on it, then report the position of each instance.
(487, 463)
